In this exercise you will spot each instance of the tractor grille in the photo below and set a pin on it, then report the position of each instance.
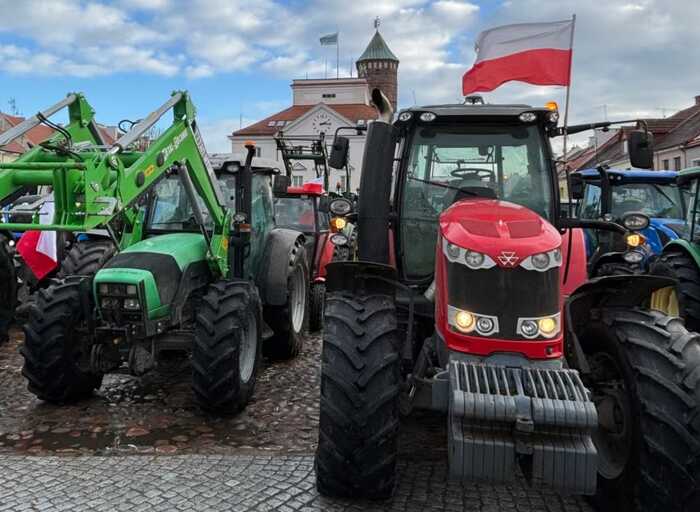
(507, 293)
(540, 418)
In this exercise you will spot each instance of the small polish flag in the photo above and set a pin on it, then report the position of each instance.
(38, 248)
(536, 53)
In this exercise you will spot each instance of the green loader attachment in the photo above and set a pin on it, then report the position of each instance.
(197, 270)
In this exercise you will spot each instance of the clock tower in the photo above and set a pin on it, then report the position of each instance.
(379, 66)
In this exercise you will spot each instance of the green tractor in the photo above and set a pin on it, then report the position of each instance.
(680, 260)
(201, 268)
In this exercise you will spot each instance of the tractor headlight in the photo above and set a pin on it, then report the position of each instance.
(544, 327)
(635, 221)
(339, 239)
(466, 322)
(473, 259)
(427, 117)
(634, 239)
(132, 304)
(527, 117)
(542, 261)
(633, 256)
(452, 251)
(109, 303)
(338, 223)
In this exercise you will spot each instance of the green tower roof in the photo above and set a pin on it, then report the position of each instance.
(377, 50)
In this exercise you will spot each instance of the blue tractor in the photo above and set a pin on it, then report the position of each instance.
(636, 197)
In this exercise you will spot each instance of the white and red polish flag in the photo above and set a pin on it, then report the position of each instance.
(38, 248)
(536, 53)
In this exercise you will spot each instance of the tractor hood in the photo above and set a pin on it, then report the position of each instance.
(506, 232)
(155, 266)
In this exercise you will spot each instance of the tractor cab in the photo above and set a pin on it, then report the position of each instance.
(469, 295)
(652, 193)
(458, 154)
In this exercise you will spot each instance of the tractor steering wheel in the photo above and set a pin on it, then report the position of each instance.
(470, 172)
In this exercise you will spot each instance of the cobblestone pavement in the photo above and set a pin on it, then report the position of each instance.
(141, 444)
(250, 483)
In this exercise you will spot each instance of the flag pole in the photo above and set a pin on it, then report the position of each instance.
(568, 87)
(337, 55)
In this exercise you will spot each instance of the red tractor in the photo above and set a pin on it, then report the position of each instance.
(308, 209)
(469, 296)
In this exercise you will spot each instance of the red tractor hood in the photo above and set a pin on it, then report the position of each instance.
(506, 232)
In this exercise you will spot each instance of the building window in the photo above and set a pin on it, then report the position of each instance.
(297, 181)
(677, 163)
(666, 164)
(329, 95)
(696, 162)
(258, 152)
(271, 123)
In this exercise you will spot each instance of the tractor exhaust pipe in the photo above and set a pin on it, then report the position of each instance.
(375, 184)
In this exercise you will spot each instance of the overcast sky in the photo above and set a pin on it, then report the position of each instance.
(237, 58)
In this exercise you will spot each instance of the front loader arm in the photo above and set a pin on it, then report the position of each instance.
(91, 188)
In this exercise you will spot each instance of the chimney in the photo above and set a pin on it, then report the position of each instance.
(697, 100)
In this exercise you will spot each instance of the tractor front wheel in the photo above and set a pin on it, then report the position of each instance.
(289, 321)
(359, 409)
(685, 302)
(56, 353)
(227, 347)
(645, 382)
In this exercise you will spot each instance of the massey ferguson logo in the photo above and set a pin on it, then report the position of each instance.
(508, 258)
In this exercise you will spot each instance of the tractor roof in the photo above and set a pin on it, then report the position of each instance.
(622, 176)
(238, 159)
(481, 110)
(691, 173)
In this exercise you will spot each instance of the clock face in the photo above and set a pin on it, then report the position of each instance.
(321, 123)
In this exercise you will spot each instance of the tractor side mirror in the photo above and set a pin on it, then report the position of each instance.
(576, 186)
(339, 153)
(640, 146)
(280, 184)
(324, 204)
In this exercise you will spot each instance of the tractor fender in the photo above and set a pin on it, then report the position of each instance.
(604, 292)
(684, 246)
(274, 270)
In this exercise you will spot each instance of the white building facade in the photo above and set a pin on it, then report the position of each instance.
(321, 106)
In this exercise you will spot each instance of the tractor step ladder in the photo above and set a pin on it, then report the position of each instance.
(541, 419)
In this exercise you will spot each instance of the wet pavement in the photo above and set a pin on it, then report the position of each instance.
(261, 459)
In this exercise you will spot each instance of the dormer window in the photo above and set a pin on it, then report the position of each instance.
(271, 123)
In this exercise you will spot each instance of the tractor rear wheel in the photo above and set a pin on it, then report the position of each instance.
(686, 300)
(56, 354)
(227, 347)
(316, 300)
(8, 289)
(359, 409)
(86, 258)
(289, 321)
(645, 381)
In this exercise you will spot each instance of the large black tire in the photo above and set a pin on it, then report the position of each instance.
(359, 415)
(8, 289)
(681, 266)
(56, 356)
(227, 347)
(316, 304)
(645, 381)
(288, 322)
(86, 258)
